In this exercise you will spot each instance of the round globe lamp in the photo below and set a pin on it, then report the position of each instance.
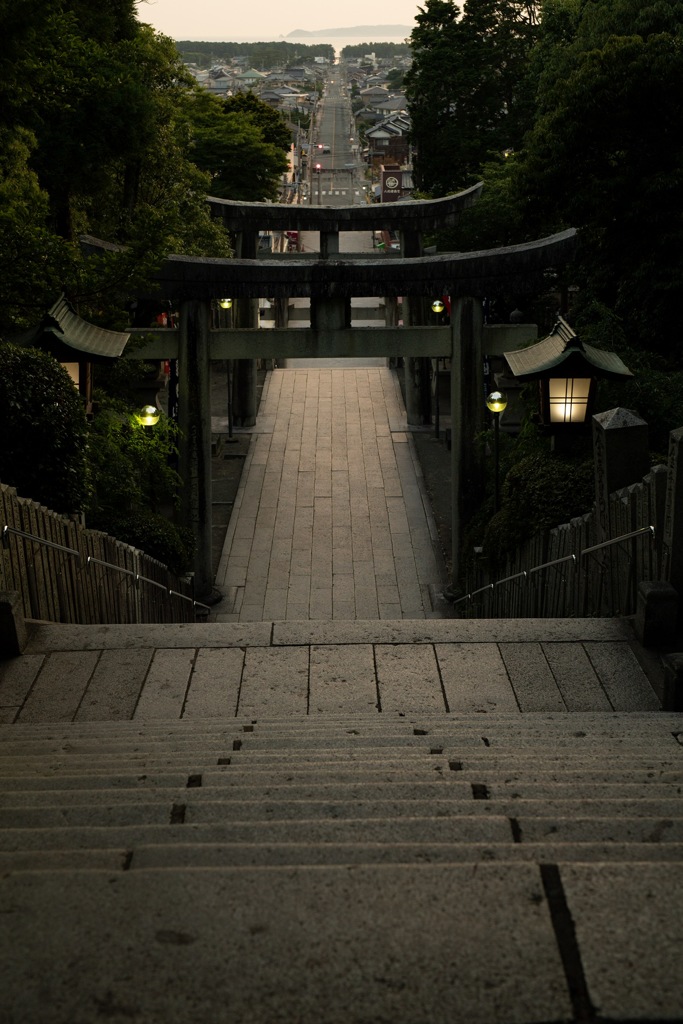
(149, 416)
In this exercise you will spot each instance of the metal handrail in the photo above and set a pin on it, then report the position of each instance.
(145, 579)
(617, 540)
(549, 565)
(7, 530)
(558, 561)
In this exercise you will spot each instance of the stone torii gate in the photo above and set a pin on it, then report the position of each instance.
(330, 280)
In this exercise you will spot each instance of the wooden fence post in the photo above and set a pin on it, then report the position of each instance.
(673, 514)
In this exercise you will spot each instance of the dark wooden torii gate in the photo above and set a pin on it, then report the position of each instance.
(330, 279)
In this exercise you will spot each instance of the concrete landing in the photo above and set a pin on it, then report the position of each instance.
(223, 670)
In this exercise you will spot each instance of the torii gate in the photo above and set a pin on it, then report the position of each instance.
(330, 279)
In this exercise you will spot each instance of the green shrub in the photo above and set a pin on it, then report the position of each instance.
(43, 430)
(542, 490)
(153, 534)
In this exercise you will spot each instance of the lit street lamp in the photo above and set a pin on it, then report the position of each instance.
(496, 402)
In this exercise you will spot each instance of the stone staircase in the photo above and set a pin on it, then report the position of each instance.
(397, 867)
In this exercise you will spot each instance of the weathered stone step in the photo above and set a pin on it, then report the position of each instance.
(602, 723)
(366, 943)
(222, 855)
(219, 786)
(463, 830)
(458, 829)
(476, 766)
(87, 763)
(206, 809)
(65, 637)
(592, 776)
(258, 752)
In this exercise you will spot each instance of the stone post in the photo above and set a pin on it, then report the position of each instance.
(621, 457)
(13, 632)
(194, 418)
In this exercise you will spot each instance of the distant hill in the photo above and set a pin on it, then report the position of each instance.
(367, 31)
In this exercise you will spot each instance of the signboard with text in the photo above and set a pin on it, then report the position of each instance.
(392, 186)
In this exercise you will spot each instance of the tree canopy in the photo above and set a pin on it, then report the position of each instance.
(570, 111)
(467, 87)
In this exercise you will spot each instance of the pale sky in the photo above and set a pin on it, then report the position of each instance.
(226, 20)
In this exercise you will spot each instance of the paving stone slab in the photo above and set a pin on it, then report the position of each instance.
(215, 683)
(274, 684)
(165, 688)
(408, 677)
(622, 677)
(17, 676)
(474, 678)
(115, 685)
(342, 679)
(60, 686)
(334, 944)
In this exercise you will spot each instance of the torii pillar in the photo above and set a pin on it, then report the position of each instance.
(194, 420)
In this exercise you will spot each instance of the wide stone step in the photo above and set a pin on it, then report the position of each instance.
(214, 786)
(418, 944)
(363, 776)
(207, 810)
(163, 856)
(459, 829)
(546, 723)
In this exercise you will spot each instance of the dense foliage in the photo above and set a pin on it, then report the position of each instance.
(104, 133)
(570, 112)
(381, 50)
(261, 56)
(468, 87)
(43, 430)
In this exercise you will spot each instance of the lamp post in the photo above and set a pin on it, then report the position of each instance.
(496, 402)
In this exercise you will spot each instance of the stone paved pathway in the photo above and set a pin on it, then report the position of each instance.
(331, 521)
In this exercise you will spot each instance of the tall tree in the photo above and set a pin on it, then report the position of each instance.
(606, 156)
(467, 88)
(231, 149)
(271, 123)
(438, 73)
